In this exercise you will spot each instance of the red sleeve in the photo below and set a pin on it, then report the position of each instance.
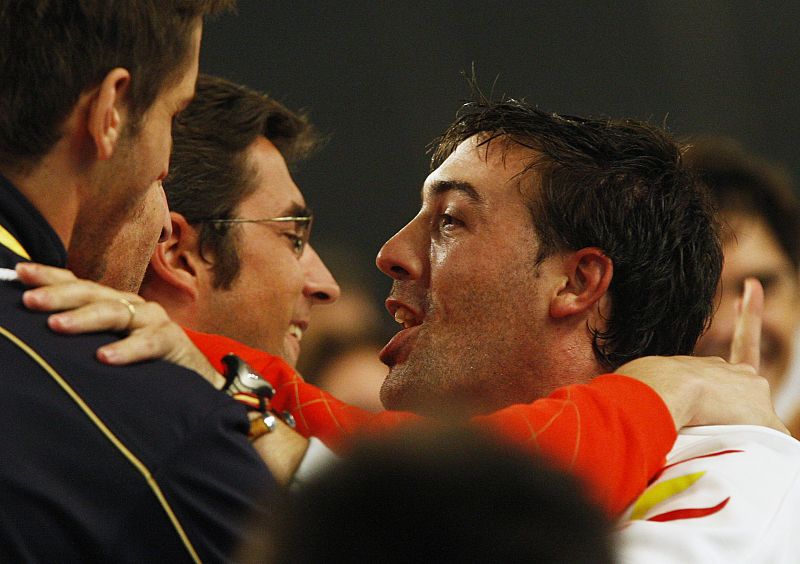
(613, 433)
(316, 412)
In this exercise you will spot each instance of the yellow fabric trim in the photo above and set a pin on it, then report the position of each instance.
(143, 470)
(8, 241)
(661, 492)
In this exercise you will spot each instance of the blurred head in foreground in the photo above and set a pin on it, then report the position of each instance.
(448, 496)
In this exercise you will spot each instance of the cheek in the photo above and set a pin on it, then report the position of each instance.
(464, 297)
(287, 273)
(463, 281)
(158, 145)
(780, 307)
(779, 321)
(449, 281)
(279, 282)
(165, 149)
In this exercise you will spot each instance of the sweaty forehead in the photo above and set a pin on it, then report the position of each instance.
(478, 172)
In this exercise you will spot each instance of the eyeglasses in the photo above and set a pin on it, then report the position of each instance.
(299, 237)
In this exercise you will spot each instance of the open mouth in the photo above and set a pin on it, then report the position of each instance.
(404, 315)
(296, 331)
(399, 347)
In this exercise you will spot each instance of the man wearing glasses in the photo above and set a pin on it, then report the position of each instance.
(238, 261)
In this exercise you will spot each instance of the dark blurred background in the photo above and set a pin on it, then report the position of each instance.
(383, 78)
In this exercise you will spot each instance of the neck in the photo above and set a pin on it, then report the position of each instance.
(54, 184)
(574, 361)
(180, 306)
(53, 191)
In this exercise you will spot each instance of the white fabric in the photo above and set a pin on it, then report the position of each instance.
(315, 460)
(759, 524)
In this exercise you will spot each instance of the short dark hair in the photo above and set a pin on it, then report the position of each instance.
(619, 186)
(51, 51)
(745, 184)
(446, 496)
(209, 172)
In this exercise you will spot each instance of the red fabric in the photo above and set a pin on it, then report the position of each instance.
(613, 433)
(695, 513)
(709, 455)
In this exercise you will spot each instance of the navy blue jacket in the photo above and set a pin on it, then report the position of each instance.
(140, 463)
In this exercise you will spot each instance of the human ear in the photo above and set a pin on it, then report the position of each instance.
(588, 276)
(176, 262)
(104, 120)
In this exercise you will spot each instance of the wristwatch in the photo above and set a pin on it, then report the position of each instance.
(245, 384)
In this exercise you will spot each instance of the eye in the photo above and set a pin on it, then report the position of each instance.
(447, 222)
(298, 244)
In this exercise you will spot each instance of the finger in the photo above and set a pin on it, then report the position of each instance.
(73, 294)
(34, 274)
(165, 341)
(107, 315)
(144, 344)
(746, 344)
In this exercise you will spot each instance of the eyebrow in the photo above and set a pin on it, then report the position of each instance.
(296, 210)
(443, 186)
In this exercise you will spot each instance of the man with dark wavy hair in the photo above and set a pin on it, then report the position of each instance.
(584, 237)
(140, 463)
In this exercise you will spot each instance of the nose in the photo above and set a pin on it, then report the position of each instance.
(166, 221)
(320, 286)
(397, 258)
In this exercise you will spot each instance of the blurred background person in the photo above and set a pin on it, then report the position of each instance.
(761, 239)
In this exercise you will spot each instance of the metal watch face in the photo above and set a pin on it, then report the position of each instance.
(241, 378)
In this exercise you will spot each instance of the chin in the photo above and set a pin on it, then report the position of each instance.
(393, 394)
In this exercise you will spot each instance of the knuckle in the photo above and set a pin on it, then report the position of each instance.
(159, 309)
(150, 346)
(154, 311)
(747, 369)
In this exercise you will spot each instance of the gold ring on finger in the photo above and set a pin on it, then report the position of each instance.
(131, 312)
